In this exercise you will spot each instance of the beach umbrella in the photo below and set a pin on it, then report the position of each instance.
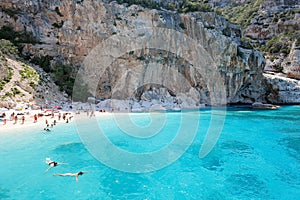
(57, 107)
(19, 108)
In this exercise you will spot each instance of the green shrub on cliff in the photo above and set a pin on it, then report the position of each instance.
(7, 94)
(15, 91)
(145, 3)
(6, 78)
(298, 42)
(193, 6)
(11, 12)
(8, 33)
(241, 15)
(7, 48)
(62, 76)
(181, 25)
(28, 73)
(58, 25)
(282, 43)
(181, 6)
(1, 85)
(43, 61)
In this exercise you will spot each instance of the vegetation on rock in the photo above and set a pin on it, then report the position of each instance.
(241, 14)
(28, 73)
(181, 6)
(278, 44)
(7, 48)
(8, 33)
(62, 76)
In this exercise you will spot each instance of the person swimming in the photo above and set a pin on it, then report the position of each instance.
(72, 174)
(52, 164)
(47, 129)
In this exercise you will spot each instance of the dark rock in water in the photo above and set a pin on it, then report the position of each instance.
(259, 105)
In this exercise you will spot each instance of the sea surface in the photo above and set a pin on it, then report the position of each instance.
(256, 156)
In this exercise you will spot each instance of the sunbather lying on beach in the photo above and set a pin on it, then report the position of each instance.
(70, 174)
(52, 164)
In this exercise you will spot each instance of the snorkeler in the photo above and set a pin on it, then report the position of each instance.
(70, 174)
(52, 164)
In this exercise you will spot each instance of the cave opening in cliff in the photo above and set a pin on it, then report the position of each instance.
(148, 74)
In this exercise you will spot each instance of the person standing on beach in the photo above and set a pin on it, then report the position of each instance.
(4, 119)
(23, 119)
(35, 118)
(47, 124)
(16, 119)
(12, 116)
(59, 116)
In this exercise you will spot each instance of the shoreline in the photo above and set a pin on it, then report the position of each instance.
(41, 122)
(28, 123)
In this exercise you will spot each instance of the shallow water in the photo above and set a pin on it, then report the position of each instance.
(256, 157)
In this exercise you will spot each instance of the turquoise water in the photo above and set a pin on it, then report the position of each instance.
(256, 157)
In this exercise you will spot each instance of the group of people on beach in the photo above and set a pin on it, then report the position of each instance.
(63, 116)
(13, 117)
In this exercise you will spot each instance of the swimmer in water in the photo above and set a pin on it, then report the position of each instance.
(70, 174)
(52, 164)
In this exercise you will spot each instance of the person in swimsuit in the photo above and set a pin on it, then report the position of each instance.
(70, 174)
(51, 164)
(47, 129)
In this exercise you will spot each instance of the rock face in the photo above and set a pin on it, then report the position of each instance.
(3, 69)
(273, 27)
(28, 84)
(277, 26)
(71, 30)
(284, 90)
(291, 65)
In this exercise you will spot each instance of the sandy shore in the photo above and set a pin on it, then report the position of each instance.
(41, 121)
(29, 121)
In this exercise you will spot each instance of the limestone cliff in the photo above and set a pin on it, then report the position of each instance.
(68, 31)
(272, 26)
